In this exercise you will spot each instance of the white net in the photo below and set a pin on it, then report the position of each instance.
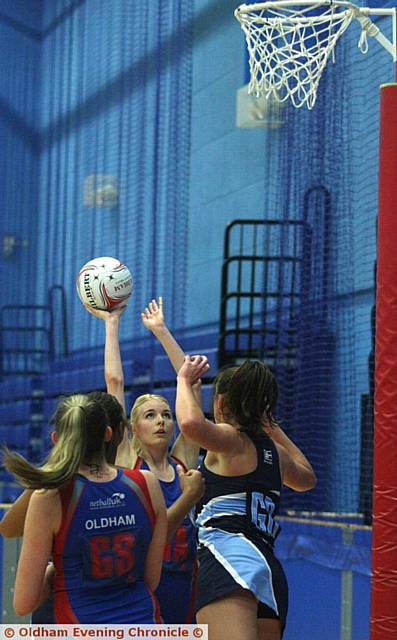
(289, 45)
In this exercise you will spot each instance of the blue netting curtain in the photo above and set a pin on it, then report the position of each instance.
(99, 89)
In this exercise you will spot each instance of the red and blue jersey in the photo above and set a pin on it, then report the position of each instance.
(180, 552)
(177, 584)
(100, 551)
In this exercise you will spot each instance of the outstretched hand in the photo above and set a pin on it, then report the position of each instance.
(105, 315)
(193, 368)
(153, 317)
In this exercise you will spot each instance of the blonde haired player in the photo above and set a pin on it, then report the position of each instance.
(153, 430)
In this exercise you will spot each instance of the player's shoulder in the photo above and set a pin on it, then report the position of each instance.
(149, 476)
(45, 505)
(44, 496)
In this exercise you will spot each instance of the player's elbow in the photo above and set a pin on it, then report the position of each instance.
(7, 532)
(313, 480)
(114, 381)
(22, 611)
(300, 480)
(23, 606)
(10, 527)
(307, 482)
(188, 427)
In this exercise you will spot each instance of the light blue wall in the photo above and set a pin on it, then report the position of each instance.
(227, 164)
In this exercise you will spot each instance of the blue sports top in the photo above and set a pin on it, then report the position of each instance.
(100, 551)
(245, 504)
(180, 552)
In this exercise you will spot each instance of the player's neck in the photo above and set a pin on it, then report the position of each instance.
(158, 461)
(157, 454)
(98, 471)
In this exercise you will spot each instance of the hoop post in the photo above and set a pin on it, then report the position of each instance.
(384, 544)
(395, 37)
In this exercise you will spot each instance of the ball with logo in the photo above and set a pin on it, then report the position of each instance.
(104, 283)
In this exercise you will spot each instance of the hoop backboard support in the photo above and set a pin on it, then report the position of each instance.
(384, 542)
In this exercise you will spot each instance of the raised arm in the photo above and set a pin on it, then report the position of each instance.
(114, 376)
(153, 318)
(219, 438)
(13, 521)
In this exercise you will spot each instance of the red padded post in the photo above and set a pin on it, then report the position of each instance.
(384, 545)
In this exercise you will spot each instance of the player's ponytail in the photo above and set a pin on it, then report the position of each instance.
(250, 392)
(116, 419)
(80, 426)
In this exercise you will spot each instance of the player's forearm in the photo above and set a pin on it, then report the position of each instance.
(177, 512)
(114, 375)
(280, 437)
(189, 414)
(170, 346)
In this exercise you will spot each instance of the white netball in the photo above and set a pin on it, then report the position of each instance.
(104, 283)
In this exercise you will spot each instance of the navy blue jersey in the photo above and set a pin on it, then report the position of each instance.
(100, 551)
(245, 504)
(237, 528)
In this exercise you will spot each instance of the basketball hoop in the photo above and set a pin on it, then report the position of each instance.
(289, 43)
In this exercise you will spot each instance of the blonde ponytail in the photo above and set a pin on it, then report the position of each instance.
(80, 426)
